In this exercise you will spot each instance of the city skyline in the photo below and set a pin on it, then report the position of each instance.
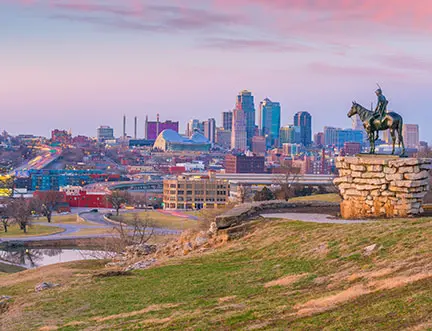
(79, 66)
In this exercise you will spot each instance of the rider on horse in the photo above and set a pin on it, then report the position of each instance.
(381, 108)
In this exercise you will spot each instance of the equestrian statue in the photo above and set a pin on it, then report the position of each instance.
(379, 120)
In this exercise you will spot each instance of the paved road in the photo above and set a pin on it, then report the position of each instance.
(69, 229)
(312, 218)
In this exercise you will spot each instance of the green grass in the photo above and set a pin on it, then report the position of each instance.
(9, 268)
(331, 197)
(160, 220)
(224, 289)
(33, 230)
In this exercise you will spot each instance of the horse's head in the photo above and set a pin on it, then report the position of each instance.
(353, 110)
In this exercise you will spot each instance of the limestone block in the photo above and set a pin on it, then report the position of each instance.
(352, 160)
(415, 176)
(394, 177)
(375, 168)
(388, 170)
(366, 187)
(426, 166)
(372, 181)
(340, 180)
(344, 172)
(356, 174)
(373, 175)
(420, 195)
(345, 186)
(388, 194)
(404, 170)
(358, 167)
(411, 183)
(342, 165)
(355, 192)
(375, 193)
(404, 162)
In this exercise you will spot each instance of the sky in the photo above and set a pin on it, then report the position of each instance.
(78, 64)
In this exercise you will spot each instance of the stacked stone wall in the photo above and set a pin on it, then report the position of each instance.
(377, 186)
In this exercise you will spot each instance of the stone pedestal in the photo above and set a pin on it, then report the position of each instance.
(382, 186)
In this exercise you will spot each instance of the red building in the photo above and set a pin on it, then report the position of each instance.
(88, 200)
(238, 164)
(61, 136)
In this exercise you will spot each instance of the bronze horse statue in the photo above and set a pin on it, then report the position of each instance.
(390, 121)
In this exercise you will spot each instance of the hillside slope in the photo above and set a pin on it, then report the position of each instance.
(282, 275)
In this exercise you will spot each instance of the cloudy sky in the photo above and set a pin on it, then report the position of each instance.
(81, 63)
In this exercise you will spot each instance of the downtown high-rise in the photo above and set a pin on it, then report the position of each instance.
(245, 103)
(227, 120)
(269, 121)
(304, 120)
(238, 133)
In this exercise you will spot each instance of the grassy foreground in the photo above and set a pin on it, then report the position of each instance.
(33, 230)
(282, 276)
(330, 197)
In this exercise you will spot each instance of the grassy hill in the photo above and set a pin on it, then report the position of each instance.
(283, 275)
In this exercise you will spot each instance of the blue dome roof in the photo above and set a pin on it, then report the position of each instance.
(173, 137)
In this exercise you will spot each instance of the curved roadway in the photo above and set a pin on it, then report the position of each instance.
(70, 229)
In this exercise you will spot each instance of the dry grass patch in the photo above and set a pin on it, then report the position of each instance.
(285, 281)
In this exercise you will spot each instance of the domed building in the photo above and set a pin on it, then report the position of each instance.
(171, 141)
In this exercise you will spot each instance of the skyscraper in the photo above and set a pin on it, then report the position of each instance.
(238, 134)
(289, 134)
(210, 129)
(304, 120)
(269, 121)
(193, 125)
(227, 120)
(245, 102)
(410, 134)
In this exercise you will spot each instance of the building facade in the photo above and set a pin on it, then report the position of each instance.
(238, 133)
(105, 133)
(245, 103)
(269, 121)
(152, 129)
(238, 164)
(289, 134)
(223, 138)
(304, 120)
(227, 120)
(210, 129)
(259, 145)
(337, 137)
(411, 135)
(319, 139)
(195, 192)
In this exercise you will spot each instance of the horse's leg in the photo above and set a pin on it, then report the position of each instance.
(400, 136)
(393, 135)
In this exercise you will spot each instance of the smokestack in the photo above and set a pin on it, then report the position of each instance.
(136, 127)
(157, 125)
(146, 128)
(124, 126)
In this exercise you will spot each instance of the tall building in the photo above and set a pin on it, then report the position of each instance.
(223, 138)
(319, 139)
(238, 133)
(192, 126)
(259, 145)
(104, 133)
(289, 134)
(410, 134)
(210, 129)
(304, 120)
(124, 127)
(227, 120)
(245, 103)
(338, 137)
(135, 127)
(269, 121)
(154, 128)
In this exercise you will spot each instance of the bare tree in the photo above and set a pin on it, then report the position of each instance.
(21, 212)
(286, 180)
(118, 198)
(45, 203)
(137, 231)
(4, 216)
(7, 186)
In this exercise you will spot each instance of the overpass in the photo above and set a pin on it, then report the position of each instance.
(269, 179)
(137, 186)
